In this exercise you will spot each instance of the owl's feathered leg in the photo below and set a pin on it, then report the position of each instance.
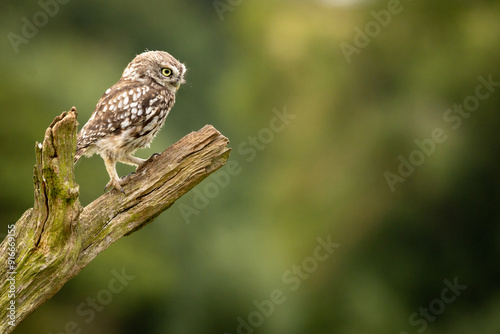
(114, 181)
(131, 160)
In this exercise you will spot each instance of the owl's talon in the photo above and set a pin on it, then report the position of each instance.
(151, 158)
(114, 184)
(145, 162)
(124, 179)
(129, 175)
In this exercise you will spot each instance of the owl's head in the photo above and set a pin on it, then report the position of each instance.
(157, 66)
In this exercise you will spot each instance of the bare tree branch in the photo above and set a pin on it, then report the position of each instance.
(56, 238)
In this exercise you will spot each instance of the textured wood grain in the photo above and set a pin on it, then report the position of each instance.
(58, 237)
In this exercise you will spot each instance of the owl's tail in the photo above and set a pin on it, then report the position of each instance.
(80, 149)
(79, 153)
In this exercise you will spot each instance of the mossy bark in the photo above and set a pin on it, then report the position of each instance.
(56, 238)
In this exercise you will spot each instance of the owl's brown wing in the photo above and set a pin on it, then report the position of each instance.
(126, 105)
(107, 116)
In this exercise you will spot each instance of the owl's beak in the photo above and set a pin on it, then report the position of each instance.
(177, 85)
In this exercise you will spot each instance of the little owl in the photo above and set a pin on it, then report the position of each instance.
(130, 113)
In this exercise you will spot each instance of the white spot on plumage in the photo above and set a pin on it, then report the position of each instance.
(125, 123)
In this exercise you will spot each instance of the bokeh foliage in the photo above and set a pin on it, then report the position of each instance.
(321, 175)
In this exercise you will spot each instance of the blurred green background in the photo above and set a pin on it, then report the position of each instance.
(247, 260)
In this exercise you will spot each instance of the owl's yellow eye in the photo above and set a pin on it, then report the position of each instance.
(166, 71)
